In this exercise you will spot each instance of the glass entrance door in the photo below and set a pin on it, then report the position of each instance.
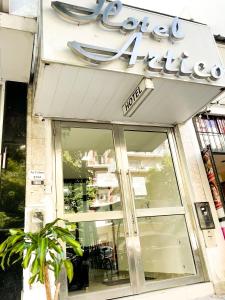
(122, 199)
(159, 219)
(93, 205)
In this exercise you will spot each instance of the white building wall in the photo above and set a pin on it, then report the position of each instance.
(40, 157)
(212, 242)
(39, 198)
(25, 8)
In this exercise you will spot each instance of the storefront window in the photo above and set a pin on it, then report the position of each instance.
(166, 250)
(104, 263)
(123, 204)
(89, 169)
(151, 169)
(210, 131)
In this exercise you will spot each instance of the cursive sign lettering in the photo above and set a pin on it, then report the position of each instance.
(81, 15)
(104, 55)
(168, 64)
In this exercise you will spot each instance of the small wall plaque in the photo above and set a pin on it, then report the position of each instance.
(37, 177)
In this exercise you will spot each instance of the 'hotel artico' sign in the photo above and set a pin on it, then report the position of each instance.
(130, 50)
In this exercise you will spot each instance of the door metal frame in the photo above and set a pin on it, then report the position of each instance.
(165, 211)
(125, 289)
(129, 214)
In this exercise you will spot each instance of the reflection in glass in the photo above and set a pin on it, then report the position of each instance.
(151, 170)
(13, 172)
(104, 263)
(13, 179)
(89, 171)
(12, 187)
(166, 250)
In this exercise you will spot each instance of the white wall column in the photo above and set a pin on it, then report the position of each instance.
(212, 242)
(39, 198)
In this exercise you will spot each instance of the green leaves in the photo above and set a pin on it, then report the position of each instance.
(15, 231)
(35, 265)
(76, 246)
(28, 256)
(40, 250)
(10, 247)
(49, 226)
(67, 237)
(3, 246)
(42, 244)
(69, 269)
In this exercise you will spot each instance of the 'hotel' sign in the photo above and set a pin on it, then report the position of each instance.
(141, 92)
(130, 50)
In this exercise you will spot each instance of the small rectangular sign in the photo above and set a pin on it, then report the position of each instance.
(139, 186)
(36, 176)
(137, 97)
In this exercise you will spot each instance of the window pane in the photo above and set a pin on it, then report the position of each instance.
(104, 263)
(13, 179)
(151, 168)
(89, 171)
(12, 187)
(166, 250)
(13, 149)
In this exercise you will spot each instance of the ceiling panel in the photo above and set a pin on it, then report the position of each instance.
(16, 53)
(69, 92)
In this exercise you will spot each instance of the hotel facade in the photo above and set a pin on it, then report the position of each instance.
(96, 110)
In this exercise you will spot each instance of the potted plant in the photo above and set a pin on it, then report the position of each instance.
(41, 251)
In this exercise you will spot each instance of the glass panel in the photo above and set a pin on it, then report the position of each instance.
(13, 179)
(89, 171)
(12, 187)
(104, 263)
(13, 173)
(166, 250)
(151, 168)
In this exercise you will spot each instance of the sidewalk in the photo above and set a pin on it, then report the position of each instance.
(214, 297)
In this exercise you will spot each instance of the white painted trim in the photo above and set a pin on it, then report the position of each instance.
(97, 216)
(188, 292)
(191, 292)
(162, 211)
(2, 104)
(18, 23)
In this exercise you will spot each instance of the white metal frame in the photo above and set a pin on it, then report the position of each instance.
(2, 105)
(129, 214)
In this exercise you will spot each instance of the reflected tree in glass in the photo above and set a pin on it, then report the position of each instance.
(162, 183)
(78, 192)
(13, 179)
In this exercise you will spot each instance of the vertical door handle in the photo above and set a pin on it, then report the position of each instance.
(134, 221)
(120, 185)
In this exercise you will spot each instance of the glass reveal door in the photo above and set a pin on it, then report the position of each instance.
(159, 216)
(93, 206)
(123, 203)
